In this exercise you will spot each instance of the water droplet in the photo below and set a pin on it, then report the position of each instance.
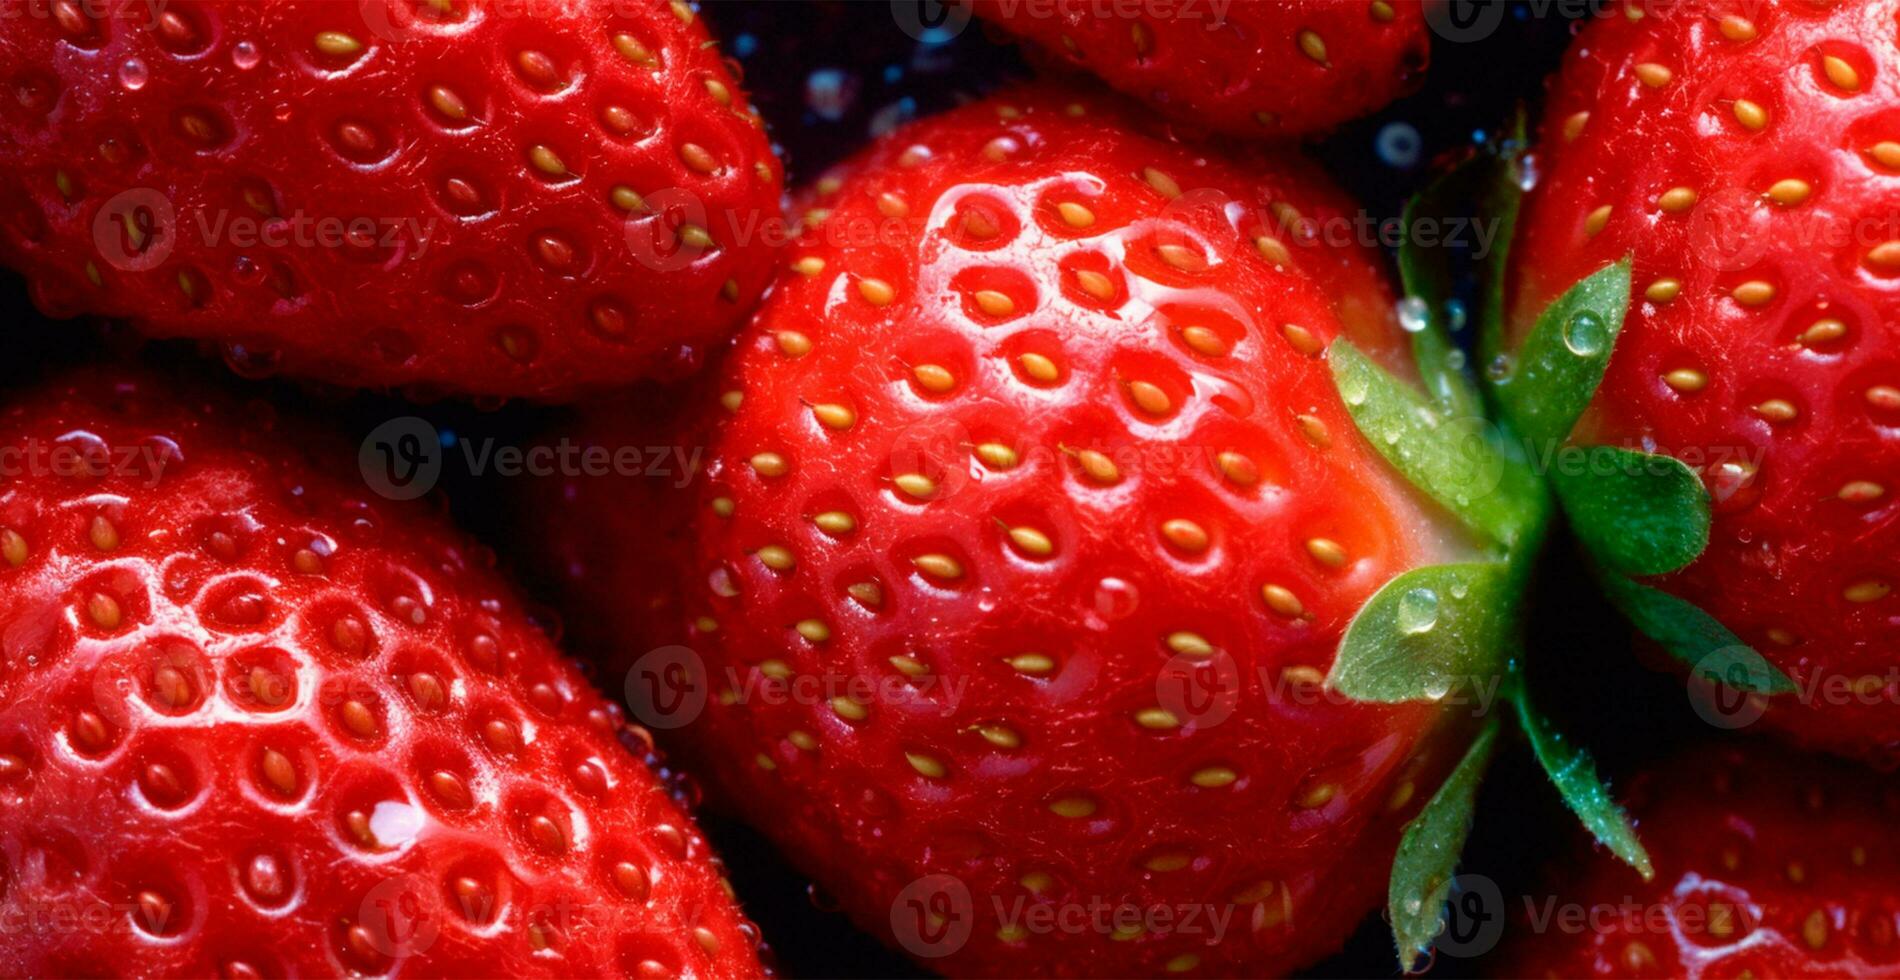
(1584, 334)
(1500, 367)
(1528, 172)
(1459, 590)
(1455, 360)
(1354, 388)
(133, 75)
(1115, 599)
(395, 823)
(244, 55)
(1414, 315)
(1398, 144)
(1437, 686)
(1455, 315)
(1418, 611)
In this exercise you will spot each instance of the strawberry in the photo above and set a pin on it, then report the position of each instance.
(1768, 864)
(1712, 207)
(1031, 521)
(1279, 69)
(255, 721)
(497, 199)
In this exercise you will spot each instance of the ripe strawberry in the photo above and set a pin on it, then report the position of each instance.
(1035, 446)
(254, 721)
(493, 199)
(1769, 864)
(1745, 157)
(1286, 68)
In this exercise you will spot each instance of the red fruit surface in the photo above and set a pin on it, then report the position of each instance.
(1749, 160)
(1258, 69)
(1030, 522)
(256, 721)
(1768, 864)
(490, 200)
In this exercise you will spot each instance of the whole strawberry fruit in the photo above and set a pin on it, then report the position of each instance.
(495, 199)
(1030, 526)
(254, 721)
(1282, 68)
(1710, 235)
(1768, 864)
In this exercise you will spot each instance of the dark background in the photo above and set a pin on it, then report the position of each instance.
(829, 74)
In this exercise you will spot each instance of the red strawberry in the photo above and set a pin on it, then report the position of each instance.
(1747, 156)
(1040, 423)
(1280, 68)
(491, 199)
(1768, 864)
(254, 721)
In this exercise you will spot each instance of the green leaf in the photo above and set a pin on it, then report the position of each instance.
(1459, 462)
(1426, 632)
(1562, 361)
(1575, 776)
(1427, 275)
(1639, 513)
(1694, 637)
(1501, 197)
(1428, 852)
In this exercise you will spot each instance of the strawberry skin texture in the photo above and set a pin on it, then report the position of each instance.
(1042, 407)
(248, 710)
(1276, 69)
(1737, 156)
(491, 200)
(1768, 864)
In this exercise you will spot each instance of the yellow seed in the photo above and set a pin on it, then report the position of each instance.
(682, 11)
(834, 416)
(1314, 430)
(1814, 929)
(792, 343)
(1382, 11)
(626, 199)
(12, 547)
(104, 611)
(998, 150)
(1073, 807)
(695, 236)
(994, 303)
(1790, 192)
(631, 49)
(1573, 125)
(938, 566)
(1326, 551)
(1185, 534)
(775, 668)
(1686, 380)
(814, 630)
(876, 292)
(1032, 541)
(1663, 290)
(1182, 963)
(769, 464)
(1181, 257)
(927, 766)
(1653, 74)
(1001, 736)
(1095, 284)
(1032, 663)
(1281, 600)
(1886, 153)
(1303, 340)
(1781, 637)
(1596, 220)
(1861, 491)
(103, 534)
(1190, 644)
(1751, 115)
(1161, 182)
(1885, 256)
(546, 161)
(1213, 777)
(1754, 293)
(1737, 28)
(1777, 410)
(1138, 34)
(1075, 215)
(719, 92)
(867, 593)
(1823, 331)
(1204, 341)
(1401, 795)
(1318, 796)
(1884, 396)
(934, 377)
(776, 557)
(848, 709)
(996, 455)
(448, 103)
(1313, 46)
(1869, 590)
(1677, 200)
(1039, 368)
(1149, 398)
(1238, 468)
(1272, 249)
(1156, 718)
(835, 522)
(764, 761)
(809, 266)
(892, 206)
(917, 485)
(1841, 73)
(337, 44)
(1098, 467)
(706, 624)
